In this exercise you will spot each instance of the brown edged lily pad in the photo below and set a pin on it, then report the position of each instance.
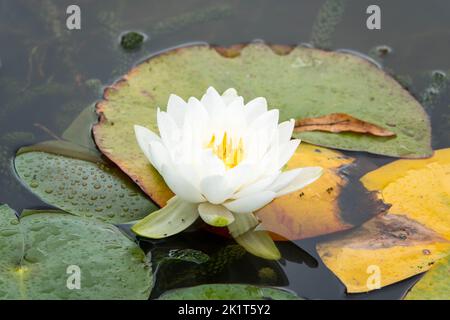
(300, 82)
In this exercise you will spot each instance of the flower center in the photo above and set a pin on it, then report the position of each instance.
(231, 154)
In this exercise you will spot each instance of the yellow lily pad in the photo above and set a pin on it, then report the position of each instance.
(409, 238)
(313, 210)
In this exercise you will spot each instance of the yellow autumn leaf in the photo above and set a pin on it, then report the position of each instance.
(313, 210)
(405, 241)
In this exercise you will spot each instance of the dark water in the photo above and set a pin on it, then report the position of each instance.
(48, 75)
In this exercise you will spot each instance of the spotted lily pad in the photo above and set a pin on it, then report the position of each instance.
(229, 292)
(44, 252)
(78, 181)
(300, 82)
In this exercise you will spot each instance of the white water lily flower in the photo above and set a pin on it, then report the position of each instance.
(223, 160)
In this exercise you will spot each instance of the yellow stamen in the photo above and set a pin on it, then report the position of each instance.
(231, 156)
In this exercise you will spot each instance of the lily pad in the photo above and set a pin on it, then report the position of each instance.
(229, 292)
(410, 237)
(300, 82)
(313, 210)
(78, 181)
(44, 249)
(79, 131)
(434, 285)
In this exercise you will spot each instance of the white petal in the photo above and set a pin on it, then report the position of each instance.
(215, 215)
(284, 179)
(213, 101)
(257, 186)
(306, 176)
(176, 108)
(158, 155)
(211, 164)
(144, 136)
(250, 203)
(255, 108)
(230, 95)
(180, 186)
(286, 152)
(168, 129)
(216, 189)
(265, 126)
(238, 175)
(285, 130)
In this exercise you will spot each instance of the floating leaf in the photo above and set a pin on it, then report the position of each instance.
(78, 181)
(407, 240)
(434, 285)
(313, 210)
(79, 131)
(43, 249)
(340, 122)
(300, 82)
(229, 292)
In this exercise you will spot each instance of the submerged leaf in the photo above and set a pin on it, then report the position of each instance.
(340, 122)
(78, 181)
(43, 251)
(229, 292)
(300, 82)
(434, 285)
(410, 237)
(175, 217)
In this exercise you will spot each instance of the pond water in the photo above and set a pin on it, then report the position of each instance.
(48, 75)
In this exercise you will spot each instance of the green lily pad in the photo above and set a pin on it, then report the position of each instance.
(78, 181)
(43, 253)
(434, 285)
(229, 292)
(79, 131)
(300, 82)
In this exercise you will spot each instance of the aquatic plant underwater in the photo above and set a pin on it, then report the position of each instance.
(203, 141)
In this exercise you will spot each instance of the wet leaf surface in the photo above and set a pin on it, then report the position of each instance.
(309, 83)
(38, 249)
(410, 237)
(78, 181)
(229, 292)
